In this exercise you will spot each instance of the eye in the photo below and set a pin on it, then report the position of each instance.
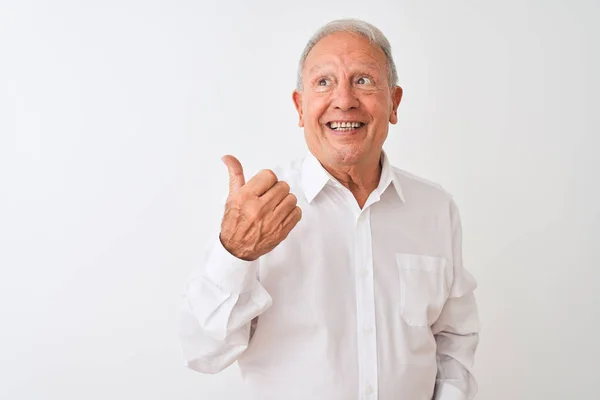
(323, 84)
(363, 80)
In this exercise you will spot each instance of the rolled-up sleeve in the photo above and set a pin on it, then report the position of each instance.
(457, 329)
(221, 299)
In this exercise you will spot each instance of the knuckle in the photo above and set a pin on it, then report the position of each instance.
(285, 186)
(270, 174)
(292, 198)
(297, 216)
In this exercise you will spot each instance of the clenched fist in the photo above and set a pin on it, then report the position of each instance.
(258, 214)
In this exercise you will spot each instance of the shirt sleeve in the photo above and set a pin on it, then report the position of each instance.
(221, 299)
(457, 329)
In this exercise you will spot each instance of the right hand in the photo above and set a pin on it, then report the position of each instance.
(258, 215)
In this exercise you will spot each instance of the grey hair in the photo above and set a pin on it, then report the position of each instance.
(353, 26)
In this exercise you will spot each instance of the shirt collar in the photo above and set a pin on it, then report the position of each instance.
(315, 177)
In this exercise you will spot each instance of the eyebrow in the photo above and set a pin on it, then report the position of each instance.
(362, 64)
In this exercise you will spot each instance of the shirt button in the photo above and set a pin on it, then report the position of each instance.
(368, 330)
(369, 390)
(364, 272)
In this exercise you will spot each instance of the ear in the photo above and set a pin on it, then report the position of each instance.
(396, 98)
(297, 98)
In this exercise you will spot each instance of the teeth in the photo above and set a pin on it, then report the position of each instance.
(340, 125)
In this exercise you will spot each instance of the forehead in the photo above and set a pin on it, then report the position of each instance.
(345, 48)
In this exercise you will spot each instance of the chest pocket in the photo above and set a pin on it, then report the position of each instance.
(423, 288)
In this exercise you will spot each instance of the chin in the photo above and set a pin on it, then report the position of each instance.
(346, 156)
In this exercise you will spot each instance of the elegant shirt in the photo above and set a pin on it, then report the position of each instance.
(355, 304)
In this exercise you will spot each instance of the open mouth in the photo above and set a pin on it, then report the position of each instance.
(344, 126)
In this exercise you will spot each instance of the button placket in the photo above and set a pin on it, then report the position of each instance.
(365, 298)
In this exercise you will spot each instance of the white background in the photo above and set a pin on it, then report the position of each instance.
(113, 119)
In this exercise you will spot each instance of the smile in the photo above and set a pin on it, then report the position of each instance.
(345, 126)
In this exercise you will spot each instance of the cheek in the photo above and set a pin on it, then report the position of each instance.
(378, 107)
(314, 110)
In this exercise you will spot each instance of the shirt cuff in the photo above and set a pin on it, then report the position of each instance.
(230, 273)
(445, 391)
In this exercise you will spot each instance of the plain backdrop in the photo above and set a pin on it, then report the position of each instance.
(113, 119)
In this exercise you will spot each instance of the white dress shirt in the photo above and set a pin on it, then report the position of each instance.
(355, 304)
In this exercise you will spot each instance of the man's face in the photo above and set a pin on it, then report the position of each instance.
(346, 102)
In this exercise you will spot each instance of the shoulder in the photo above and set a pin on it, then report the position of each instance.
(421, 189)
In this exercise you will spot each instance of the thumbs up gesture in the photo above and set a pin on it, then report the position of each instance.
(258, 215)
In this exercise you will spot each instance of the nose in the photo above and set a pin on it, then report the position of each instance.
(344, 97)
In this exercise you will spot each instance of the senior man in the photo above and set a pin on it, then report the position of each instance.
(353, 286)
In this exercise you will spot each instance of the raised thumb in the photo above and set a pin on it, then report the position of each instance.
(236, 173)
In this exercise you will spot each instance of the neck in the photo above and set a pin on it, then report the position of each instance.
(361, 179)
